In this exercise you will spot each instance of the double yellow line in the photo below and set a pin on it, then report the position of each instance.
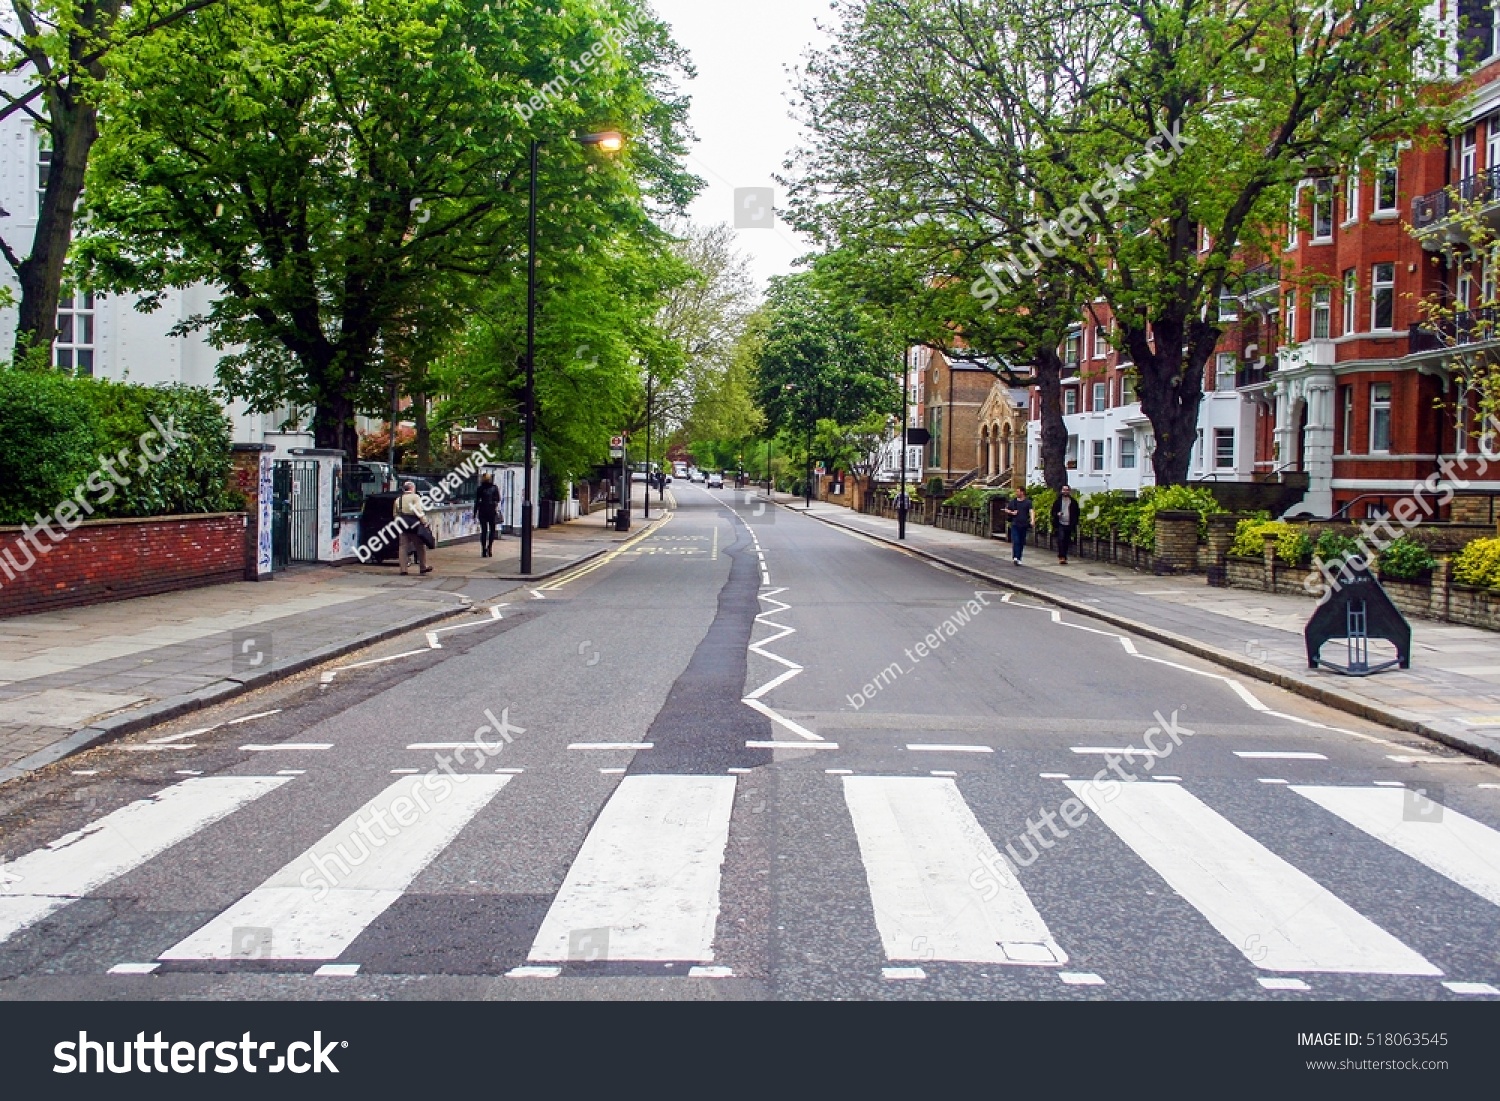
(605, 559)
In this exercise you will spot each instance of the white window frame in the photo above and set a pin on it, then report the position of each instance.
(77, 333)
(1463, 291)
(1289, 317)
(1101, 342)
(1229, 308)
(1468, 153)
(1351, 301)
(1225, 365)
(1098, 456)
(1380, 403)
(1099, 397)
(1293, 210)
(41, 166)
(1127, 451)
(1386, 190)
(1127, 389)
(1351, 196)
(1492, 139)
(1070, 401)
(1376, 287)
(1322, 210)
(1220, 435)
(1321, 310)
(1348, 415)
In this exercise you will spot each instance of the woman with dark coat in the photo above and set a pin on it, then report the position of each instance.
(487, 511)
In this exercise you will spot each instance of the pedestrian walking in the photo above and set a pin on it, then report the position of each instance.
(409, 508)
(1064, 522)
(1019, 511)
(487, 512)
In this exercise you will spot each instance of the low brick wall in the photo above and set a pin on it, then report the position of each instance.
(102, 560)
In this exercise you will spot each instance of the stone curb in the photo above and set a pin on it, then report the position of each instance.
(126, 722)
(1322, 693)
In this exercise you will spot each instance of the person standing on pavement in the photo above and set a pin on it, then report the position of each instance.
(409, 508)
(1064, 522)
(487, 511)
(1019, 511)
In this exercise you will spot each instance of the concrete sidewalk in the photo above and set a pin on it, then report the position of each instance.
(1451, 693)
(76, 677)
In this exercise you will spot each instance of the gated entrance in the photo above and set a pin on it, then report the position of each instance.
(294, 512)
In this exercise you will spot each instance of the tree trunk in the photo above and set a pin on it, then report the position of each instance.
(1048, 365)
(1171, 391)
(74, 128)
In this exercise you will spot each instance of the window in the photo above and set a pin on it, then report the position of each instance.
(1224, 367)
(1127, 452)
(1198, 451)
(43, 169)
(1385, 184)
(1099, 399)
(1097, 458)
(74, 347)
(1289, 318)
(1223, 448)
(1492, 142)
(1229, 308)
(1382, 296)
(1322, 310)
(1351, 196)
(1346, 405)
(1463, 295)
(1468, 153)
(1072, 453)
(1101, 342)
(1293, 210)
(1070, 401)
(1322, 209)
(1127, 388)
(1380, 416)
(1351, 294)
(1070, 349)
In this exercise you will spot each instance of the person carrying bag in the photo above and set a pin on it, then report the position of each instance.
(417, 536)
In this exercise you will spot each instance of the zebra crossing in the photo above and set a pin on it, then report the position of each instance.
(647, 882)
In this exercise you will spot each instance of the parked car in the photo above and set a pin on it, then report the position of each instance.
(698, 476)
(716, 480)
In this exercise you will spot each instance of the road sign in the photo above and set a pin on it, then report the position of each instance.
(617, 441)
(617, 447)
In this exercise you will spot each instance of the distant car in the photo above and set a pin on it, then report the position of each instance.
(639, 476)
(716, 480)
(698, 476)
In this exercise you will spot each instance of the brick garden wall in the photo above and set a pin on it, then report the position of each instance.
(102, 560)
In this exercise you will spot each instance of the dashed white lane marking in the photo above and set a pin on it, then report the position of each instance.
(612, 772)
(148, 748)
(320, 921)
(648, 871)
(1278, 755)
(1284, 984)
(337, 971)
(1080, 978)
(1451, 844)
(47, 879)
(1481, 988)
(791, 745)
(925, 747)
(943, 772)
(257, 715)
(898, 973)
(1168, 779)
(95, 772)
(1390, 783)
(405, 771)
(184, 735)
(710, 972)
(1419, 759)
(1053, 775)
(612, 745)
(292, 746)
(741, 771)
(839, 771)
(1276, 915)
(533, 972)
(291, 772)
(922, 848)
(1269, 780)
(509, 771)
(188, 772)
(1128, 751)
(132, 968)
(439, 745)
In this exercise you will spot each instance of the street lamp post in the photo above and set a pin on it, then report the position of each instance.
(646, 512)
(905, 418)
(609, 141)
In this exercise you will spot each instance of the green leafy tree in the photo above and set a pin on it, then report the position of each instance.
(354, 175)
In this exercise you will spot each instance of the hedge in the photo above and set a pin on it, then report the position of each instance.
(1478, 564)
(63, 435)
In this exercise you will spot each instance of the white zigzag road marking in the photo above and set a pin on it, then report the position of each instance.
(753, 700)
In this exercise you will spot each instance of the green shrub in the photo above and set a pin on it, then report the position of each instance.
(1405, 559)
(1098, 513)
(48, 445)
(975, 497)
(1293, 547)
(1041, 507)
(1332, 547)
(1478, 564)
(934, 486)
(59, 431)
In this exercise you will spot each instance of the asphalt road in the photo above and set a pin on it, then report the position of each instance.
(754, 756)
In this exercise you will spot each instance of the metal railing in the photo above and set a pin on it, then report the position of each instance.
(1255, 374)
(1463, 328)
(1482, 188)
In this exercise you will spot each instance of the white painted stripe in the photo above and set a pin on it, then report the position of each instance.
(791, 745)
(404, 771)
(921, 846)
(285, 745)
(839, 771)
(257, 715)
(648, 872)
(1245, 694)
(133, 968)
(320, 902)
(1053, 775)
(47, 879)
(1268, 780)
(1127, 751)
(1284, 984)
(184, 772)
(185, 734)
(1080, 978)
(149, 748)
(777, 717)
(337, 971)
(444, 745)
(1168, 779)
(291, 772)
(1278, 917)
(1277, 755)
(1483, 988)
(1450, 843)
(1420, 760)
(533, 972)
(902, 973)
(710, 972)
(610, 745)
(930, 748)
(612, 772)
(1390, 783)
(943, 772)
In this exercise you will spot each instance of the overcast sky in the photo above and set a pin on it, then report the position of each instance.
(743, 52)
